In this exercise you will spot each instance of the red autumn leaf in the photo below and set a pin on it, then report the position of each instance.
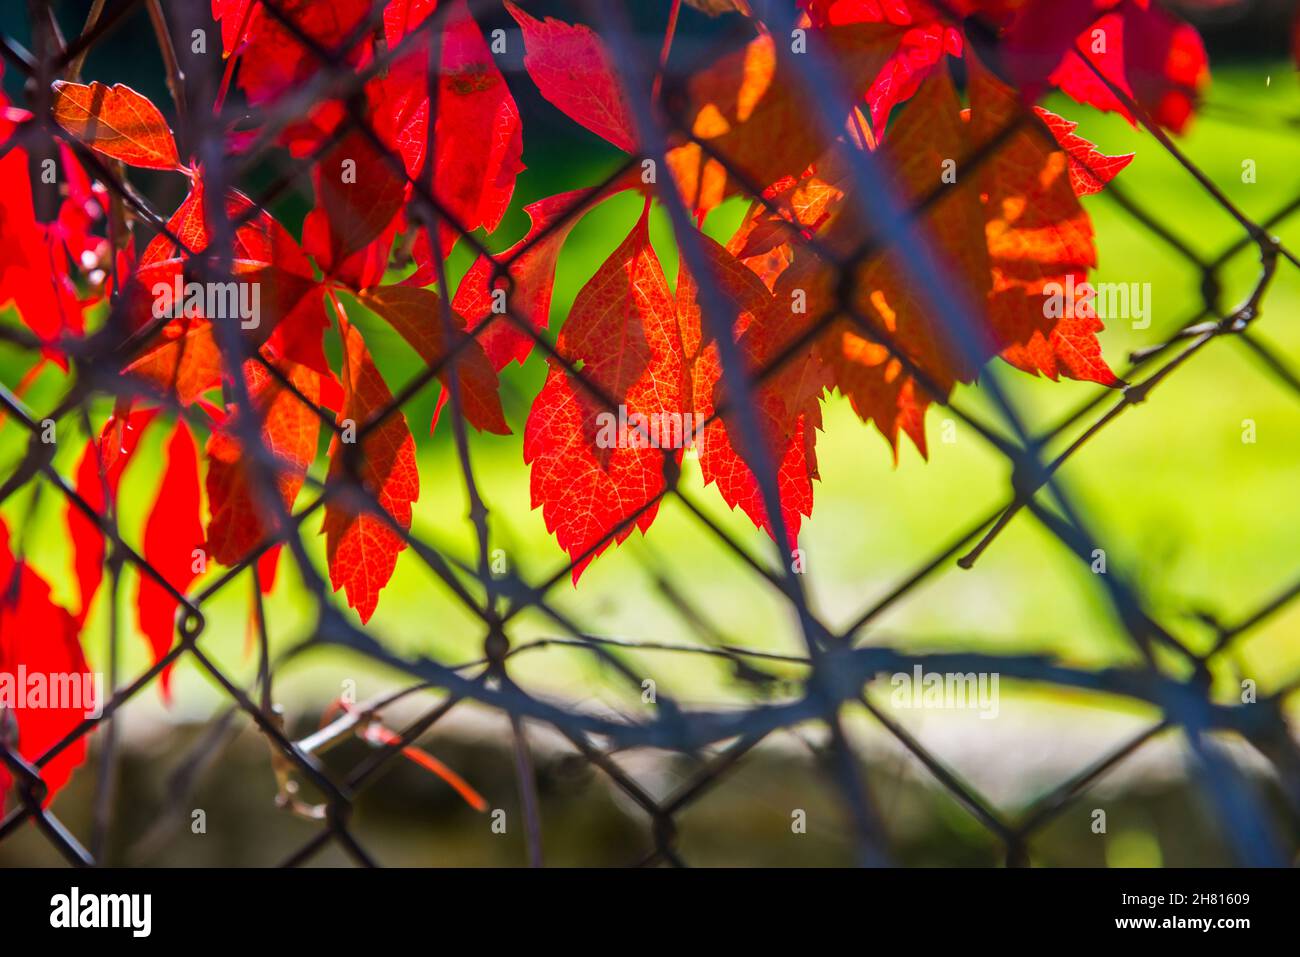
(359, 194)
(593, 468)
(274, 60)
(478, 138)
(928, 133)
(116, 121)
(101, 464)
(403, 16)
(1038, 37)
(531, 268)
(240, 520)
(184, 357)
(291, 319)
(35, 273)
(267, 568)
(587, 477)
(573, 70)
(416, 314)
(395, 103)
(80, 214)
(785, 406)
(1145, 52)
(362, 549)
(925, 38)
(172, 533)
(185, 361)
(800, 209)
(42, 639)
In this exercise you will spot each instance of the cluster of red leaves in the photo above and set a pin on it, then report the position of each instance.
(1003, 231)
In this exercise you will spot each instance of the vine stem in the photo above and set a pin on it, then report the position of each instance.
(175, 76)
(74, 68)
(669, 31)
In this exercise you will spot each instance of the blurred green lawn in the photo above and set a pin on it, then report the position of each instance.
(1199, 519)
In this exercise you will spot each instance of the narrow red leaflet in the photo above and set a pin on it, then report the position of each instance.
(361, 547)
(403, 16)
(234, 17)
(34, 273)
(597, 472)
(267, 567)
(106, 456)
(573, 70)
(116, 121)
(41, 638)
(173, 539)
(479, 137)
(290, 432)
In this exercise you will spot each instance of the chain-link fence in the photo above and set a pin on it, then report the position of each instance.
(835, 665)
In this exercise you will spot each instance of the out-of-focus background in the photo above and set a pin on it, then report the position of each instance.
(1204, 521)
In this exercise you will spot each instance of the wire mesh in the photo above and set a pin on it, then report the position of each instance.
(836, 665)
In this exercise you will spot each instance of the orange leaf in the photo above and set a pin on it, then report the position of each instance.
(186, 362)
(1002, 231)
(116, 121)
(292, 319)
(928, 134)
(1090, 169)
(1039, 236)
(754, 112)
